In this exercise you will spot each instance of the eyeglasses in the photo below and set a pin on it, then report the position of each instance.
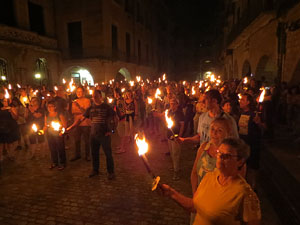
(224, 156)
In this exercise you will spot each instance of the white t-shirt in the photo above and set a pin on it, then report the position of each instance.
(204, 125)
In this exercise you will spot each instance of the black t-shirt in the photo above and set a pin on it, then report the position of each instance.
(177, 117)
(101, 117)
(249, 131)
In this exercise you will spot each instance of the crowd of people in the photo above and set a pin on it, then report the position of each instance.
(226, 120)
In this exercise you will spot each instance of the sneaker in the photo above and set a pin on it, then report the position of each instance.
(94, 173)
(111, 176)
(52, 166)
(61, 167)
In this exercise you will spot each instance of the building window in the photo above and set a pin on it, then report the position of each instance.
(128, 46)
(3, 70)
(75, 39)
(36, 18)
(114, 39)
(129, 6)
(139, 51)
(7, 15)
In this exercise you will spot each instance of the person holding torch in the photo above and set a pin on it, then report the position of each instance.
(176, 115)
(55, 123)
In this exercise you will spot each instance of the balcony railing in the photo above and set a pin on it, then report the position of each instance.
(13, 34)
(105, 54)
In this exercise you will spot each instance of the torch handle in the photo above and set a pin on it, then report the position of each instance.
(146, 163)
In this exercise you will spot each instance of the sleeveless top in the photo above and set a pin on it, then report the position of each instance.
(206, 163)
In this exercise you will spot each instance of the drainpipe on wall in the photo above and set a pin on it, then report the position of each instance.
(281, 49)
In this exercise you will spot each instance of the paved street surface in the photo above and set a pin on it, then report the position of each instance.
(30, 193)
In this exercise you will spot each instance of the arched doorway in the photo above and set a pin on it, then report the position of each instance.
(3, 70)
(246, 71)
(266, 69)
(80, 75)
(296, 75)
(125, 73)
(41, 71)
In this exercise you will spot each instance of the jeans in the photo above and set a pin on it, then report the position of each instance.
(105, 142)
(57, 149)
(175, 150)
(85, 132)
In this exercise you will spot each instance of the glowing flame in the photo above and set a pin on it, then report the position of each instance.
(110, 100)
(206, 84)
(141, 144)
(240, 96)
(200, 84)
(131, 83)
(25, 99)
(6, 94)
(262, 95)
(91, 92)
(164, 77)
(55, 88)
(71, 86)
(148, 81)
(212, 78)
(18, 85)
(138, 78)
(35, 92)
(245, 80)
(9, 86)
(158, 93)
(123, 89)
(150, 100)
(169, 121)
(64, 81)
(55, 125)
(34, 127)
(159, 80)
(184, 82)
(208, 88)
(193, 90)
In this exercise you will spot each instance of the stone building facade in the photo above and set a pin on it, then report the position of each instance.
(72, 38)
(262, 39)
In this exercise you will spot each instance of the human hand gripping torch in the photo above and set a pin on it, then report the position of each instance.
(35, 129)
(55, 125)
(261, 99)
(170, 124)
(142, 150)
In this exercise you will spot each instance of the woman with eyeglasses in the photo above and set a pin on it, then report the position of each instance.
(223, 196)
(207, 153)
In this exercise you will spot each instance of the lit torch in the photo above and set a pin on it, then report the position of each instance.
(193, 90)
(245, 80)
(164, 77)
(142, 150)
(157, 94)
(6, 94)
(110, 100)
(64, 81)
(170, 124)
(35, 129)
(150, 100)
(9, 86)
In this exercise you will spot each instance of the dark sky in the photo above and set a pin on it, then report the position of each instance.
(195, 17)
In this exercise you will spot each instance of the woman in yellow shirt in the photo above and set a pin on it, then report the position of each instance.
(223, 197)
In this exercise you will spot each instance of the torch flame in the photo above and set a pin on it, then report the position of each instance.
(262, 95)
(240, 96)
(138, 78)
(34, 127)
(91, 92)
(71, 86)
(158, 93)
(55, 125)
(141, 144)
(193, 90)
(169, 121)
(212, 78)
(18, 85)
(200, 84)
(131, 83)
(150, 100)
(9, 86)
(123, 89)
(55, 88)
(110, 100)
(245, 80)
(6, 94)
(63, 80)
(159, 80)
(184, 82)
(164, 77)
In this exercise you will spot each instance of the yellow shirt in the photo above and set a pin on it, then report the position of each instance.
(225, 205)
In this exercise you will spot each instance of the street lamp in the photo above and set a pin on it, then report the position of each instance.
(3, 77)
(38, 77)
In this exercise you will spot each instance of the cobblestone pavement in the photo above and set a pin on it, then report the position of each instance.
(30, 193)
